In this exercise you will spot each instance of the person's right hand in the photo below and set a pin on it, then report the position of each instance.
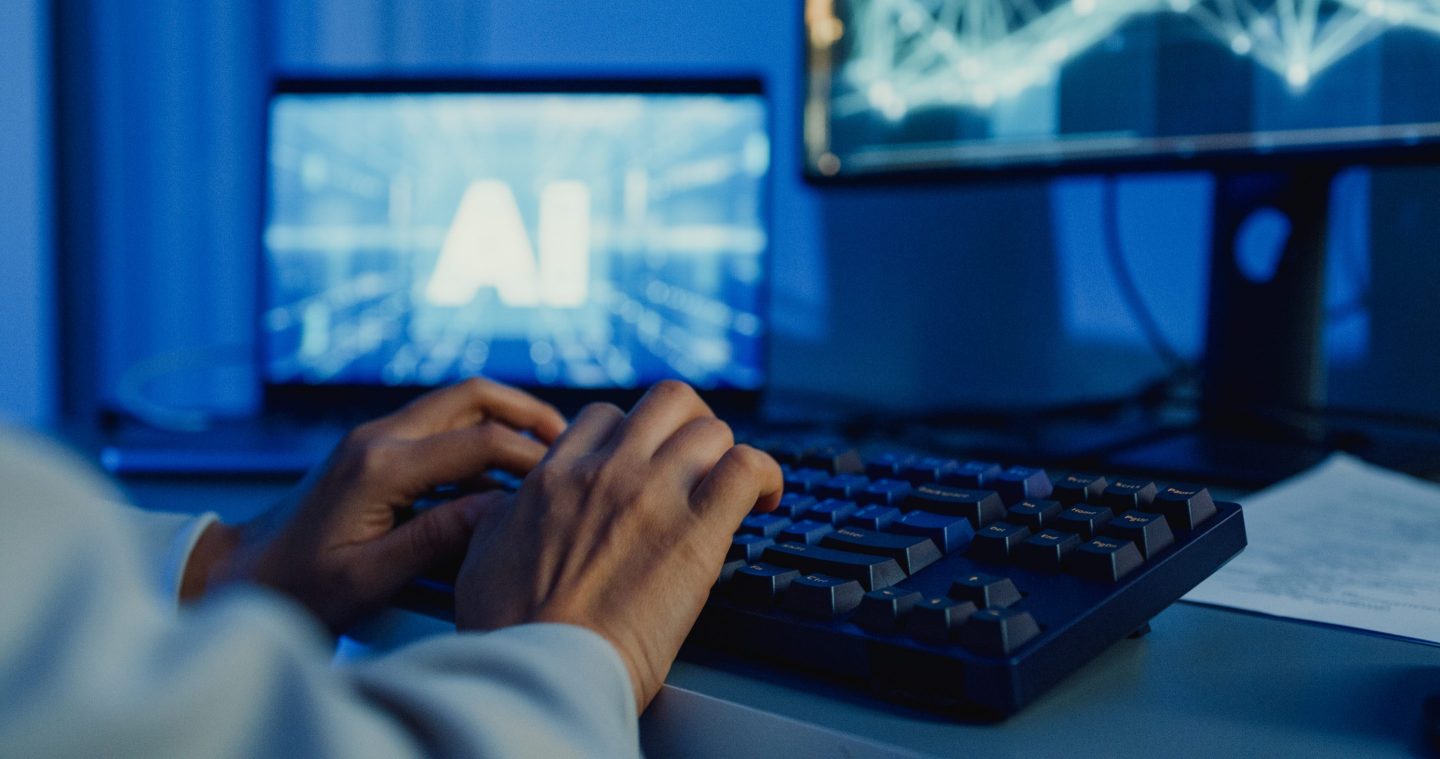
(622, 528)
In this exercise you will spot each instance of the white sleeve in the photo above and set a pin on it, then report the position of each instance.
(165, 542)
(95, 660)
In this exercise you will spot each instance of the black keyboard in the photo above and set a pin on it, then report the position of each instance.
(963, 586)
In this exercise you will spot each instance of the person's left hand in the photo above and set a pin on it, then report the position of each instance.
(334, 544)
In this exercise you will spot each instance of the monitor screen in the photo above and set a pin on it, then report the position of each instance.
(539, 235)
(915, 85)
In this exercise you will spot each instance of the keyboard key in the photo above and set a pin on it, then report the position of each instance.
(884, 492)
(985, 591)
(973, 474)
(998, 632)
(1084, 521)
(1184, 506)
(994, 542)
(872, 571)
(794, 504)
(1123, 495)
(832, 511)
(928, 469)
(764, 525)
(952, 534)
(727, 570)
(888, 465)
(807, 531)
(1107, 559)
(748, 548)
(1045, 551)
(842, 486)
(786, 453)
(839, 459)
(875, 517)
(1035, 514)
(981, 507)
(883, 610)
(912, 552)
(1021, 482)
(759, 584)
(823, 596)
(933, 619)
(1079, 488)
(1149, 532)
(804, 480)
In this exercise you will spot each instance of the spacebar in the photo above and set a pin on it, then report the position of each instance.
(873, 572)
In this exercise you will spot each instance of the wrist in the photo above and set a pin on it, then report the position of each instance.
(209, 560)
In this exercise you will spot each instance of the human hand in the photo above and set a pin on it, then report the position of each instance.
(621, 528)
(334, 544)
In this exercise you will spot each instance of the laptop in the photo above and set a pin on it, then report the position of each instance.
(580, 238)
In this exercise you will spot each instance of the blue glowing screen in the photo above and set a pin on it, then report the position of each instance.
(545, 239)
(917, 84)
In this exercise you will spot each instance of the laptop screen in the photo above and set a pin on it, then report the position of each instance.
(545, 235)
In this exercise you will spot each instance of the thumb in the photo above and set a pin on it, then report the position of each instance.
(437, 534)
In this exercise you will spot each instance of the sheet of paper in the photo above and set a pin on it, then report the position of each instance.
(1346, 543)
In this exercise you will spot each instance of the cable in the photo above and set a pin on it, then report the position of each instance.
(1125, 280)
(130, 389)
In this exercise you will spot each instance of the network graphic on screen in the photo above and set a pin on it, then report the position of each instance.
(568, 239)
(1289, 73)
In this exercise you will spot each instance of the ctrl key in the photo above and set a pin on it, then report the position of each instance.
(822, 596)
(759, 584)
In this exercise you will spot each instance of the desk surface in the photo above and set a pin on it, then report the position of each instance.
(1205, 681)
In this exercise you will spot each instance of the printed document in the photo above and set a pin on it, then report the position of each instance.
(1346, 543)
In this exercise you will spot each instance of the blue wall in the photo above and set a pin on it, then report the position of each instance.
(26, 294)
(980, 293)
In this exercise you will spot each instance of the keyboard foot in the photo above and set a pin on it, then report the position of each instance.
(1140, 631)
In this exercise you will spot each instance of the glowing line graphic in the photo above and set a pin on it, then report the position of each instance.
(907, 54)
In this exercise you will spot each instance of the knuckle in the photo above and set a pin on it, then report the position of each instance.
(476, 385)
(674, 391)
(751, 461)
(617, 480)
(487, 432)
(601, 410)
(717, 428)
(361, 434)
(374, 455)
(554, 480)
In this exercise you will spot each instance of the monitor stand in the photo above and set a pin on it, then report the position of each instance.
(1263, 350)
(1266, 312)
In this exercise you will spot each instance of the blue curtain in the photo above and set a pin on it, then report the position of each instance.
(26, 293)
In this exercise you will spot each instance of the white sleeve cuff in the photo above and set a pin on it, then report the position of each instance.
(166, 541)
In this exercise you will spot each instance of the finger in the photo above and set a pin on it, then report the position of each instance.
(472, 401)
(743, 480)
(666, 407)
(692, 451)
(441, 533)
(592, 428)
(467, 453)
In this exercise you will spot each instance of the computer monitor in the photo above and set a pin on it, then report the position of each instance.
(571, 236)
(1273, 96)
(982, 85)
